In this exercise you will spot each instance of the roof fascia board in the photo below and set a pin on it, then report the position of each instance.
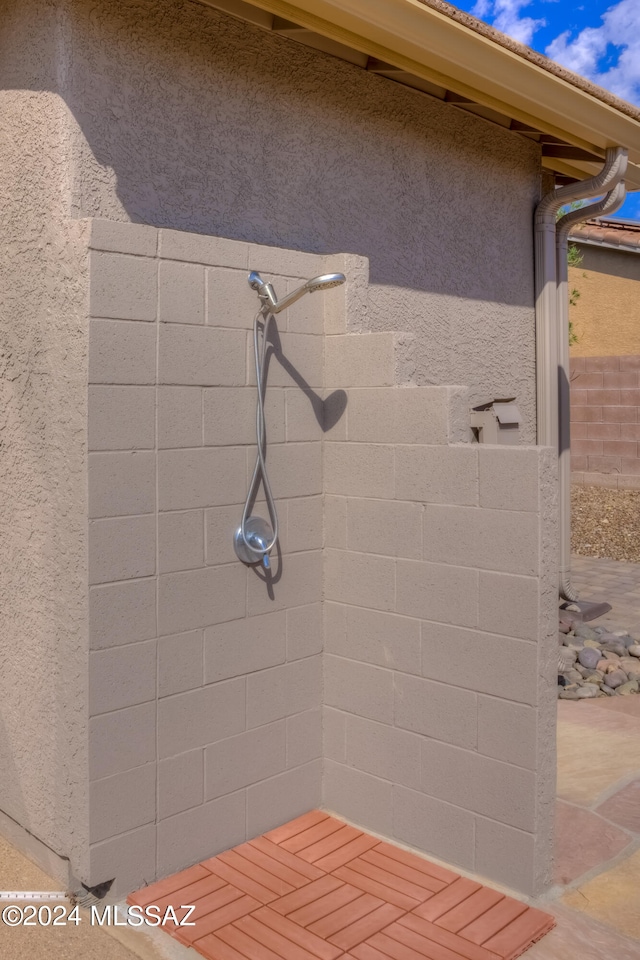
(423, 41)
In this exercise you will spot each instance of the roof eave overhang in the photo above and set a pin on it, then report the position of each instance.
(428, 44)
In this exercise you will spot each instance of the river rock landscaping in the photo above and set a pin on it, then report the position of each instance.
(597, 662)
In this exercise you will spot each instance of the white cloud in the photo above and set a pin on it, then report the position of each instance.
(482, 9)
(506, 16)
(620, 29)
(608, 54)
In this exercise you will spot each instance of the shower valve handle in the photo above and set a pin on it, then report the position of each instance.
(259, 543)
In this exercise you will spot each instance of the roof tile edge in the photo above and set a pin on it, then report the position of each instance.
(478, 26)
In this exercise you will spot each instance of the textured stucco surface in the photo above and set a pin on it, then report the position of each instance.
(168, 114)
(606, 317)
(43, 374)
(192, 119)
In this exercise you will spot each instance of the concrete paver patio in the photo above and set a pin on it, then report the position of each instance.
(598, 824)
(598, 814)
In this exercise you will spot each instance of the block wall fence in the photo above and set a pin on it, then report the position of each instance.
(417, 574)
(605, 421)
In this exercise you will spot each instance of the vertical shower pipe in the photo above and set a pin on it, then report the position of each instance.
(546, 286)
(612, 202)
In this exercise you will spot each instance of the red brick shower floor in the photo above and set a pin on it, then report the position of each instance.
(317, 889)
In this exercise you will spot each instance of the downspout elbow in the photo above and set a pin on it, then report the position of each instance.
(614, 169)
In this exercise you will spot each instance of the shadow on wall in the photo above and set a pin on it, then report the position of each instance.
(328, 411)
(194, 120)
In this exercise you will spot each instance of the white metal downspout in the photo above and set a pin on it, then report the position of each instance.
(546, 287)
(612, 202)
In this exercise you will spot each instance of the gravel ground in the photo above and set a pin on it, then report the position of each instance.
(605, 523)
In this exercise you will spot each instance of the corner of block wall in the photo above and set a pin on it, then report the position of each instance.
(458, 412)
(346, 311)
(548, 478)
(79, 231)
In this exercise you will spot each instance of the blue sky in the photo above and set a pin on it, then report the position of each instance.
(599, 39)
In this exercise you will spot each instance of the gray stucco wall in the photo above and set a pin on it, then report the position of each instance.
(188, 118)
(43, 374)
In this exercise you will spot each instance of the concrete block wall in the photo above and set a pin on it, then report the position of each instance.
(605, 421)
(205, 692)
(416, 568)
(439, 560)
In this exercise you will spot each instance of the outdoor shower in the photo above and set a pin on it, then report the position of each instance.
(255, 537)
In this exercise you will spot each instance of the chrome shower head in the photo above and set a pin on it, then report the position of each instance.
(324, 282)
(267, 295)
